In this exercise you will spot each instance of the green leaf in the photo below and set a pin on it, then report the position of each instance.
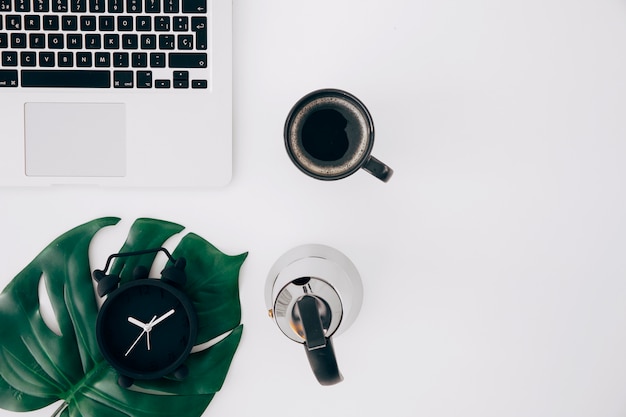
(212, 277)
(39, 367)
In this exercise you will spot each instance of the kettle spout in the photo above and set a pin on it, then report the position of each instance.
(319, 348)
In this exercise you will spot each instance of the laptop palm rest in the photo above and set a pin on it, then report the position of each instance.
(75, 139)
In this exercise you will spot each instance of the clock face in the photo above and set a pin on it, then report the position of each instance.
(146, 328)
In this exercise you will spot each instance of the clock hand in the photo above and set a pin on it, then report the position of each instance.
(137, 322)
(160, 319)
(134, 343)
(146, 329)
(153, 322)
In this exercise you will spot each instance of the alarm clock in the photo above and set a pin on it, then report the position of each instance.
(146, 327)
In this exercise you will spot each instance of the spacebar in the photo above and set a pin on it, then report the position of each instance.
(66, 78)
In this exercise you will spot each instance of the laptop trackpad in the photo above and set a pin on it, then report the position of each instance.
(75, 139)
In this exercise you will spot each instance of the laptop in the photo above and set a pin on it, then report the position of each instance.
(116, 92)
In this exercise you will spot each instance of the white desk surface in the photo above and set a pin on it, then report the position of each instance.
(493, 262)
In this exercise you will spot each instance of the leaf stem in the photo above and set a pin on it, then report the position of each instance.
(69, 396)
(60, 410)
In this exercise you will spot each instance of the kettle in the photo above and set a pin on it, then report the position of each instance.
(314, 292)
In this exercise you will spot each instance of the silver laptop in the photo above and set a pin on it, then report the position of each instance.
(116, 92)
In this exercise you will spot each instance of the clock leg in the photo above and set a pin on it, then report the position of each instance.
(181, 373)
(125, 381)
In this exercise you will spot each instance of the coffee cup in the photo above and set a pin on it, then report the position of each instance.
(329, 135)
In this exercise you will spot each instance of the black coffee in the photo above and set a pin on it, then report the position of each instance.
(329, 134)
(324, 135)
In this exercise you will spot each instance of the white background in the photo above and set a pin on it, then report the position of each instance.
(493, 262)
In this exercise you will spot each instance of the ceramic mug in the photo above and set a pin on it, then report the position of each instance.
(329, 135)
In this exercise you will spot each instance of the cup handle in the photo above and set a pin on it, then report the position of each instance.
(378, 169)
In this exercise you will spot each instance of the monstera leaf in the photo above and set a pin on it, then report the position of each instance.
(39, 366)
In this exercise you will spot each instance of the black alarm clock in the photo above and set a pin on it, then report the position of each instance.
(147, 327)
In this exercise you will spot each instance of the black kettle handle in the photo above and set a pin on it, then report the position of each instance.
(319, 348)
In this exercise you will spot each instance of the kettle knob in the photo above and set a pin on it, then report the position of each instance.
(318, 347)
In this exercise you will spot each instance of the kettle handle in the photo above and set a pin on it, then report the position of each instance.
(319, 349)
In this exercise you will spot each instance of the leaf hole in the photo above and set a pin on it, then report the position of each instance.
(45, 307)
(211, 343)
(160, 260)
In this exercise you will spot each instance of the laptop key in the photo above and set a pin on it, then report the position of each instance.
(8, 78)
(153, 6)
(28, 59)
(51, 22)
(123, 79)
(9, 59)
(66, 78)
(166, 41)
(187, 60)
(121, 59)
(162, 83)
(78, 6)
(36, 40)
(144, 23)
(181, 79)
(97, 6)
(22, 6)
(133, 6)
(116, 6)
(103, 59)
(66, 59)
(32, 22)
(14, 22)
(106, 23)
(41, 6)
(69, 23)
(170, 6)
(199, 84)
(144, 79)
(46, 59)
(181, 23)
(18, 40)
(93, 41)
(84, 59)
(199, 26)
(194, 6)
(59, 6)
(162, 24)
(157, 59)
(87, 23)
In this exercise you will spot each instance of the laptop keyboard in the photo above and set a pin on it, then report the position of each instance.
(142, 44)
